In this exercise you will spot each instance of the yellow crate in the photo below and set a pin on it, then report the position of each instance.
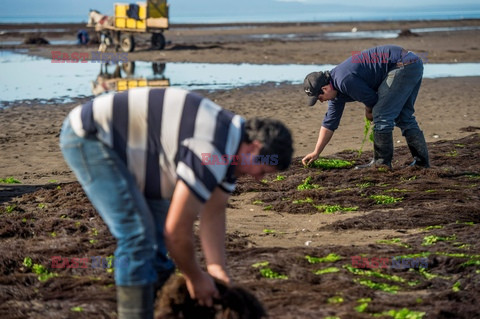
(141, 24)
(128, 23)
(120, 22)
(125, 84)
(124, 22)
(132, 84)
(120, 10)
(122, 85)
(131, 23)
(142, 12)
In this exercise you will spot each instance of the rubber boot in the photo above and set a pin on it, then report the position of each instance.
(383, 148)
(369, 164)
(135, 302)
(418, 147)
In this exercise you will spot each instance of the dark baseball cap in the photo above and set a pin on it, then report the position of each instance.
(313, 84)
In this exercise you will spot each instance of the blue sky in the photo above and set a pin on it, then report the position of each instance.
(225, 10)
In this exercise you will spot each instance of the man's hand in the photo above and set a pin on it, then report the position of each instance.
(368, 113)
(202, 288)
(212, 234)
(309, 158)
(178, 234)
(324, 136)
(219, 272)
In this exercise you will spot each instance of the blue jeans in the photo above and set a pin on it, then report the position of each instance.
(136, 223)
(396, 99)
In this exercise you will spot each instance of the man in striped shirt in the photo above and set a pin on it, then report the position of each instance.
(151, 161)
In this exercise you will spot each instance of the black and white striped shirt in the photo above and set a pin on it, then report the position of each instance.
(161, 133)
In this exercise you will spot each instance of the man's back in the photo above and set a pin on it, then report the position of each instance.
(160, 135)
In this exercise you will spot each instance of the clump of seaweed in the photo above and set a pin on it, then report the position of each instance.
(307, 184)
(267, 272)
(328, 163)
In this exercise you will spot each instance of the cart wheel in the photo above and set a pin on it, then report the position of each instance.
(129, 67)
(127, 43)
(158, 41)
(158, 68)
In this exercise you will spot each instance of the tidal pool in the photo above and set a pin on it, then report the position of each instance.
(25, 77)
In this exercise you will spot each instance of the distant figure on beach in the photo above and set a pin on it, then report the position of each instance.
(386, 79)
(154, 160)
(82, 37)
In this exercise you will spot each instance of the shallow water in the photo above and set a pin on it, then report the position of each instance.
(33, 30)
(53, 42)
(359, 34)
(391, 34)
(25, 77)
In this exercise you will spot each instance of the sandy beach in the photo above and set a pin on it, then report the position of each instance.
(446, 109)
(441, 112)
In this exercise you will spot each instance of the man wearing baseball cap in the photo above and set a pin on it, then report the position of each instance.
(386, 79)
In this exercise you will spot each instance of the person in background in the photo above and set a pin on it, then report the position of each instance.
(152, 161)
(82, 37)
(386, 79)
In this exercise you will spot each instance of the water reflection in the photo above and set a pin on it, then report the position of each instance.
(24, 77)
(123, 77)
(52, 42)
